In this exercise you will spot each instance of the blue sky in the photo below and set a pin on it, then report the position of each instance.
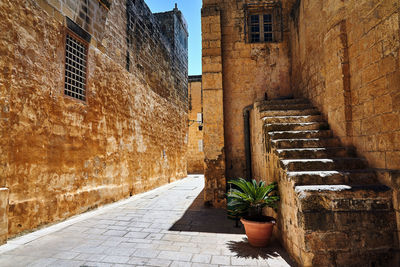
(191, 10)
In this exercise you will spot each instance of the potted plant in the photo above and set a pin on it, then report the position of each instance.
(250, 199)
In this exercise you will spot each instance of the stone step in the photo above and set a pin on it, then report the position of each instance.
(306, 143)
(323, 164)
(314, 153)
(350, 177)
(292, 119)
(283, 106)
(285, 101)
(290, 112)
(296, 126)
(300, 134)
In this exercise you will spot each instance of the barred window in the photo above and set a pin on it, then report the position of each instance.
(75, 67)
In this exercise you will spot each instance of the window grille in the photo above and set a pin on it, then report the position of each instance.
(75, 67)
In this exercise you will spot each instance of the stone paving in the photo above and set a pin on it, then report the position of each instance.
(167, 226)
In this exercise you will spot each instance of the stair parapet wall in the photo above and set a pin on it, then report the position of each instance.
(328, 222)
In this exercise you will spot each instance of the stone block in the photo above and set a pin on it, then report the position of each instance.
(383, 257)
(4, 193)
(55, 3)
(393, 160)
(316, 221)
(45, 6)
(388, 65)
(212, 81)
(393, 80)
(318, 242)
(390, 122)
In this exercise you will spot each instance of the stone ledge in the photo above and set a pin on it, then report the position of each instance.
(349, 188)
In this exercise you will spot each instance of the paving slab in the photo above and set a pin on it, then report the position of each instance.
(168, 226)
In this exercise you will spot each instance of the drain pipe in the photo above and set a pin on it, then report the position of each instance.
(247, 148)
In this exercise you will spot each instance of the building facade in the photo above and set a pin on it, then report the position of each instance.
(93, 98)
(195, 154)
(342, 57)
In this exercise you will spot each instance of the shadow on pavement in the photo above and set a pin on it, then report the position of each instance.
(199, 218)
(242, 249)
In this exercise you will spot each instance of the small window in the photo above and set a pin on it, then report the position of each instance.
(261, 28)
(199, 117)
(264, 22)
(75, 67)
(200, 145)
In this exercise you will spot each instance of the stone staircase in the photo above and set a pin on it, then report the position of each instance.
(333, 210)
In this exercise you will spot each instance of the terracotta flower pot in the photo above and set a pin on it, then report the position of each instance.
(258, 233)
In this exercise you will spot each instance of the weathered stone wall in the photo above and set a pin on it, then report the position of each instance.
(345, 59)
(3, 215)
(152, 45)
(213, 106)
(174, 26)
(250, 72)
(195, 154)
(65, 156)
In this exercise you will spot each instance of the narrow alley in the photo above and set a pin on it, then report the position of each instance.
(168, 226)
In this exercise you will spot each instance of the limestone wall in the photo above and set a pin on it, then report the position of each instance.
(213, 106)
(3, 215)
(345, 59)
(60, 156)
(195, 154)
(250, 72)
(353, 73)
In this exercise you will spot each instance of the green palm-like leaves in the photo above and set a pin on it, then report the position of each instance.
(252, 195)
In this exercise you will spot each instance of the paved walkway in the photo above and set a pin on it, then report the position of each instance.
(165, 227)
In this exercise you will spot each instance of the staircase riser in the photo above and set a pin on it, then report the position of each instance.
(285, 101)
(286, 107)
(334, 179)
(286, 112)
(313, 154)
(314, 118)
(316, 166)
(306, 144)
(296, 127)
(286, 135)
